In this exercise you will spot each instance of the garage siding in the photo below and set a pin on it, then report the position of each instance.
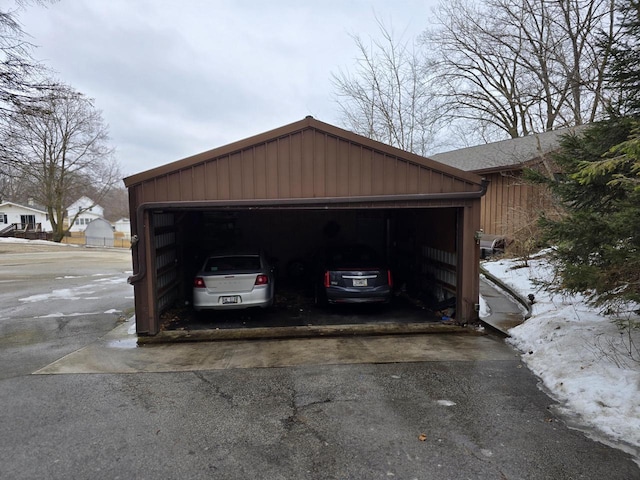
(305, 164)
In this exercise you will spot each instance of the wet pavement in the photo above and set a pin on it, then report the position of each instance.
(101, 406)
(118, 352)
(404, 333)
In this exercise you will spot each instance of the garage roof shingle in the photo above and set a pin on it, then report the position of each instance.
(514, 152)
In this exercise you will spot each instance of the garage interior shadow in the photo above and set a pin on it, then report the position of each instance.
(293, 308)
(420, 245)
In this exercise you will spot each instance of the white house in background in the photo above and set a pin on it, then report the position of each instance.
(123, 226)
(89, 211)
(24, 217)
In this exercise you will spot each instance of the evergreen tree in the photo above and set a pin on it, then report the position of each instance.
(623, 73)
(598, 241)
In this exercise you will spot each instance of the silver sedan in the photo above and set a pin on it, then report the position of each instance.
(234, 280)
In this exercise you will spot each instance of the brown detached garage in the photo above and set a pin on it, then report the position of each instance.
(297, 188)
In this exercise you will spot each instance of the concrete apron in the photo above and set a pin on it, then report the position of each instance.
(119, 352)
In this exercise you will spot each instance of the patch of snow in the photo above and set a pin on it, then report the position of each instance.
(446, 403)
(578, 353)
(61, 294)
(82, 292)
(110, 281)
(34, 242)
(485, 311)
(59, 314)
(132, 325)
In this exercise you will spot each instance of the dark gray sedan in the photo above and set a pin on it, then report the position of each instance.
(353, 274)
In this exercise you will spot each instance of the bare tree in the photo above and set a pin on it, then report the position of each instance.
(388, 97)
(521, 66)
(22, 79)
(63, 152)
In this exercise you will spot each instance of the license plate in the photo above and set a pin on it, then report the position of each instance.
(359, 282)
(227, 300)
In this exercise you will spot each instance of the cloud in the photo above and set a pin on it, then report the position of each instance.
(176, 78)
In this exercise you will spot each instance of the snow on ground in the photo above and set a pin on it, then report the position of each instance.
(32, 242)
(580, 355)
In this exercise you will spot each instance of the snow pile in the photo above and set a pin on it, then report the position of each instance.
(580, 355)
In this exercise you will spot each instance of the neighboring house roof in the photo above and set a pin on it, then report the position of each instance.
(87, 208)
(32, 209)
(82, 201)
(505, 154)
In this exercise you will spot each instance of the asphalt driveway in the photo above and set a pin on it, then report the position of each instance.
(439, 406)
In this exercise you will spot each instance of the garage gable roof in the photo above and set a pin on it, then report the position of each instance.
(304, 159)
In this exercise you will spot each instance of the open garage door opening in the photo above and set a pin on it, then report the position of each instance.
(419, 246)
(292, 191)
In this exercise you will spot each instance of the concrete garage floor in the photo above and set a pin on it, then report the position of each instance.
(296, 315)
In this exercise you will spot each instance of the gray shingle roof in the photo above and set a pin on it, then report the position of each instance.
(504, 154)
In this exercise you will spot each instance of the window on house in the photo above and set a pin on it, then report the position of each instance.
(3, 218)
(28, 220)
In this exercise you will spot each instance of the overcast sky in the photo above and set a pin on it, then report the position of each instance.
(177, 77)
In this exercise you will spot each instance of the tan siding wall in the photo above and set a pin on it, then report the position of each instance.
(511, 206)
